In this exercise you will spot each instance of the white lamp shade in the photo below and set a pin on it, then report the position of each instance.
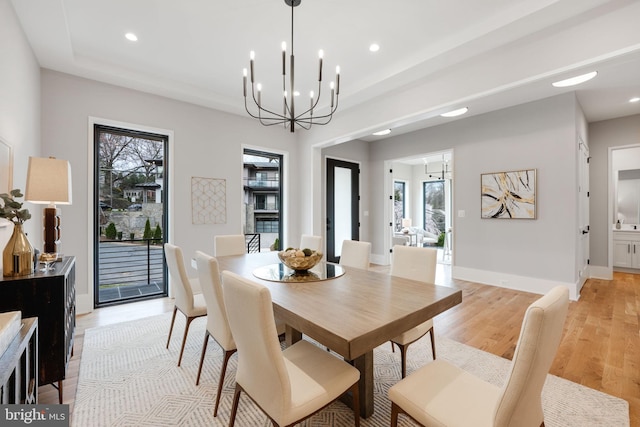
(48, 181)
(406, 222)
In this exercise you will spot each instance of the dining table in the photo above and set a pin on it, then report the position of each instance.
(350, 311)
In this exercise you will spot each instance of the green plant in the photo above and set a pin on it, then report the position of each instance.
(11, 209)
(147, 230)
(440, 240)
(132, 236)
(157, 234)
(276, 244)
(119, 235)
(110, 233)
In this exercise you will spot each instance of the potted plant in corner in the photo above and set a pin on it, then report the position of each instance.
(17, 256)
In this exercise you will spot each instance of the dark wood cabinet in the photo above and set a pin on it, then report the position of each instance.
(51, 297)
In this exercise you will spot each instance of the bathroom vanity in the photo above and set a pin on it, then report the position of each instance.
(626, 248)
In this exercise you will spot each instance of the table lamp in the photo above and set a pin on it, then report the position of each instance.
(49, 182)
(406, 223)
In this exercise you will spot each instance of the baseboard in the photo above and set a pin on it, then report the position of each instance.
(512, 281)
(601, 272)
(84, 304)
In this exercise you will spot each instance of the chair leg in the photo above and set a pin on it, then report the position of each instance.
(403, 358)
(184, 338)
(234, 408)
(393, 347)
(395, 410)
(204, 350)
(227, 355)
(355, 394)
(173, 319)
(433, 342)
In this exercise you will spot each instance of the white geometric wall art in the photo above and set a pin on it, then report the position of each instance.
(208, 200)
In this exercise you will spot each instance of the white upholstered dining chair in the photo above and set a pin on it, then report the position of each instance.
(191, 304)
(355, 254)
(441, 394)
(290, 385)
(217, 320)
(415, 263)
(230, 244)
(312, 242)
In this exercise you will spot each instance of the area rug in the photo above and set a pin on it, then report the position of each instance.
(128, 378)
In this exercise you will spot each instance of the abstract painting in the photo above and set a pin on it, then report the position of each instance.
(510, 195)
(208, 200)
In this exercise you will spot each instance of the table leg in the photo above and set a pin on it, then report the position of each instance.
(364, 364)
(291, 336)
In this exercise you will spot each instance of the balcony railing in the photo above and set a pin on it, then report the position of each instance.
(262, 183)
(266, 207)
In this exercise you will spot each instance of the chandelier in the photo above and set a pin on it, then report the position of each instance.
(289, 118)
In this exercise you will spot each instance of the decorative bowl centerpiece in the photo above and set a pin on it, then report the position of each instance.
(300, 260)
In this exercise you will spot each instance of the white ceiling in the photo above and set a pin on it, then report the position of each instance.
(484, 54)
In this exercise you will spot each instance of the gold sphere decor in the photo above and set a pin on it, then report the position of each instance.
(300, 260)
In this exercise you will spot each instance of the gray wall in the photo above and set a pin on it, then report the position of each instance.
(603, 135)
(206, 143)
(540, 135)
(19, 111)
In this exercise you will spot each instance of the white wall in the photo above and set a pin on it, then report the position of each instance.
(531, 255)
(19, 111)
(206, 143)
(602, 136)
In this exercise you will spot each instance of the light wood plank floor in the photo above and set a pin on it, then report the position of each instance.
(600, 347)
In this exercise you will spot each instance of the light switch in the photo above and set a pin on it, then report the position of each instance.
(461, 213)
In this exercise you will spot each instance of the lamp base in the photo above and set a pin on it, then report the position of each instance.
(51, 229)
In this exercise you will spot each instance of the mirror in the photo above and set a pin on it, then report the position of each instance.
(628, 198)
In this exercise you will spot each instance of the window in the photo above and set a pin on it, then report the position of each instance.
(399, 206)
(434, 206)
(267, 225)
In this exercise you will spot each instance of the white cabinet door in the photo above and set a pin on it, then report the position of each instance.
(635, 255)
(622, 251)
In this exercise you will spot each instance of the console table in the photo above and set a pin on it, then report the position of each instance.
(18, 366)
(50, 296)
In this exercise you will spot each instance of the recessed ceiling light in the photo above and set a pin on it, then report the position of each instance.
(382, 132)
(374, 47)
(454, 113)
(575, 80)
(634, 99)
(132, 37)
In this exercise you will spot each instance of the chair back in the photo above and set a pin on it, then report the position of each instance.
(232, 244)
(217, 320)
(415, 263)
(521, 401)
(355, 254)
(312, 242)
(179, 279)
(261, 370)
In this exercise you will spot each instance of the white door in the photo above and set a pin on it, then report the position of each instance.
(583, 213)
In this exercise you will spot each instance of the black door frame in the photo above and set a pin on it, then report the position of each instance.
(330, 203)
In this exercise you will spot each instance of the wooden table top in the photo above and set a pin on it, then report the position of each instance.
(351, 314)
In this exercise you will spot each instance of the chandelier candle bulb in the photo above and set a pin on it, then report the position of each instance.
(244, 80)
(252, 56)
(284, 58)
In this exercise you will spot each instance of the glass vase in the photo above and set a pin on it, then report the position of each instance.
(17, 257)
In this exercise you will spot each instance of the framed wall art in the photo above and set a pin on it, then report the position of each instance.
(208, 200)
(509, 195)
(6, 167)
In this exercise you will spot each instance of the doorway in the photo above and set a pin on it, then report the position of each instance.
(343, 203)
(130, 215)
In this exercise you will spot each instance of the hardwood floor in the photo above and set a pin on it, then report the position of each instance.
(600, 347)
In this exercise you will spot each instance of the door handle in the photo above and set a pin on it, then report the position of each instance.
(585, 231)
